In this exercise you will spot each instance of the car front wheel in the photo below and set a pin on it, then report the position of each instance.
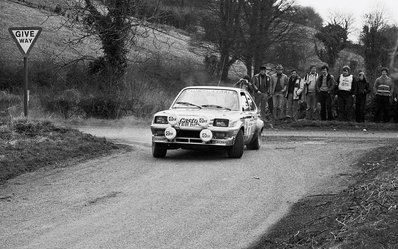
(158, 150)
(236, 150)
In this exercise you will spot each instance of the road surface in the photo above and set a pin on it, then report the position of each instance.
(189, 199)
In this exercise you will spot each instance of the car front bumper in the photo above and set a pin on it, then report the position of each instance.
(222, 137)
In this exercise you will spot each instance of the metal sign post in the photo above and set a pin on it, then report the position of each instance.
(25, 38)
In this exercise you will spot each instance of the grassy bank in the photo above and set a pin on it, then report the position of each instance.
(363, 216)
(27, 145)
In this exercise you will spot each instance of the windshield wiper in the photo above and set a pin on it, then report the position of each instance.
(217, 106)
(188, 103)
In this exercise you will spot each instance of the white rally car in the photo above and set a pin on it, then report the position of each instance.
(208, 116)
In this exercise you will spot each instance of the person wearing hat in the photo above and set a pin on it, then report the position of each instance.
(278, 88)
(244, 83)
(383, 89)
(261, 83)
(345, 92)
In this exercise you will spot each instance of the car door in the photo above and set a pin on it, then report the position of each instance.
(250, 116)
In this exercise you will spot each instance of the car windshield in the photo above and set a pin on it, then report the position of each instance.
(208, 98)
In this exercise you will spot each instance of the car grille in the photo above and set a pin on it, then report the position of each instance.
(187, 133)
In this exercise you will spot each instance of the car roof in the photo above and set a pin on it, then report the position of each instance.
(215, 88)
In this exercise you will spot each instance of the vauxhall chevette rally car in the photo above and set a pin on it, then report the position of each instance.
(208, 117)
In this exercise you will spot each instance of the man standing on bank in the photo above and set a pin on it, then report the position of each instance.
(293, 94)
(310, 96)
(345, 86)
(384, 90)
(279, 82)
(325, 86)
(361, 90)
(261, 83)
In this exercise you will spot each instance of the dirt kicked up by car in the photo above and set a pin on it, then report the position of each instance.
(200, 117)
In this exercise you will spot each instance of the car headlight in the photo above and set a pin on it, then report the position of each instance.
(221, 122)
(161, 120)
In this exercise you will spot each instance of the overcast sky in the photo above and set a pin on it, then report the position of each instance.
(355, 7)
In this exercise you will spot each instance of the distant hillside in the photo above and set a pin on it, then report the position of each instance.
(167, 42)
(54, 37)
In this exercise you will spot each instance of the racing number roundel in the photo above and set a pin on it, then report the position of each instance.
(203, 121)
(206, 135)
(172, 119)
(170, 133)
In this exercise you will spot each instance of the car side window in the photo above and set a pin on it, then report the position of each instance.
(252, 106)
(245, 102)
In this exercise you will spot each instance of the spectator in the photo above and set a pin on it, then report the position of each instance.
(310, 96)
(278, 87)
(362, 88)
(395, 114)
(293, 94)
(396, 106)
(325, 86)
(384, 90)
(244, 83)
(345, 84)
(261, 83)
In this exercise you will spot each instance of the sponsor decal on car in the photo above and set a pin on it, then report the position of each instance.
(190, 122)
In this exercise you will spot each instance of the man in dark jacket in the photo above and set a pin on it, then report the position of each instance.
(362, 88)
(278, 88)
(325, 85)
(261, 84)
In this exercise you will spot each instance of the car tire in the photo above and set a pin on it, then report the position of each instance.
(158, 150)
(236, 150)
(255, 143)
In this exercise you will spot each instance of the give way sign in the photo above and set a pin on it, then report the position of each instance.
(25, 37)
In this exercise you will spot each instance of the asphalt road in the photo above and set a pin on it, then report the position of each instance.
(187, 200)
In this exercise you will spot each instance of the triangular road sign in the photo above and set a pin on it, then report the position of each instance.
(25, 37)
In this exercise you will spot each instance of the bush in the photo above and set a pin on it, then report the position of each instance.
(11, 77)
(70, 90)
(32, 127)
(65, 104)
(43, 74)
(106, 106)
(8, 100)
(168, 76)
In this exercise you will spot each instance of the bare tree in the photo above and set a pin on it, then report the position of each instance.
(246, 29)
(333, 38)
(266, 23)
(115, 25)
(378, 39)
(222, 23)
(341, 19)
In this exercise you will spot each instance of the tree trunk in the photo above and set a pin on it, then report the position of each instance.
(224, 67)
(249, 64)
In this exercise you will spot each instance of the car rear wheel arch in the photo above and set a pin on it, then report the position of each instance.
(255, 143)
(236, 150)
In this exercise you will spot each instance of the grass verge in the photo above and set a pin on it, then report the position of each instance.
(27, 145)
(365, 215)
(289, 124)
